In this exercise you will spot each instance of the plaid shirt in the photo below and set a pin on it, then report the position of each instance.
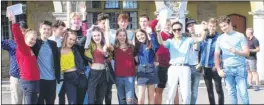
(10, 46)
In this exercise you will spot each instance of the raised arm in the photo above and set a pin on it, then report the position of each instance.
(154, 41)
(18, 36)
(84, 20)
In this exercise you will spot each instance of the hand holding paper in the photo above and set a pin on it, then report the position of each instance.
(16, 9)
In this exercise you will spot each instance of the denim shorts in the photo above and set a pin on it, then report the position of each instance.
(147, 75)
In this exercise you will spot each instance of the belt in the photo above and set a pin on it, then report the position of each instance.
(180, 65)
(146, 65)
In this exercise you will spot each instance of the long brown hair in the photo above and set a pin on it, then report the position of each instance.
(138, 44)
(117, 43)
(102, 36)
(66, 36)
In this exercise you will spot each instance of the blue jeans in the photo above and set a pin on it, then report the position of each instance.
(86, 95)
(30, 91)
(195, 79)
(235, 78)
(125, 89)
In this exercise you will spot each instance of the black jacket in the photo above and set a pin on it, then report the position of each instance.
(79, 64)
(55, 53)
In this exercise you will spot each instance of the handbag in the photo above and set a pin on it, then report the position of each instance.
(110, 75)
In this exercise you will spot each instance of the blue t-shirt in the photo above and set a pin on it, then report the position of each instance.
(46, 62)
(233, 40)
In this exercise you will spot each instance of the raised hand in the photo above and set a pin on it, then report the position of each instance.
(11, 16)
(107, 24)
(82, 7)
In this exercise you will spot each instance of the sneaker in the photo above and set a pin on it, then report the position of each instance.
(250, 87)
(256, 88)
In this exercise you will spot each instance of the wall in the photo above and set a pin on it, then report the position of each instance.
(38, 11)
(221, 8)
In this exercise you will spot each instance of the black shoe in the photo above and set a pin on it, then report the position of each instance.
(250, 87)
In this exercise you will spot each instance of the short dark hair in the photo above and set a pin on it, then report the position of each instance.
(23, 24)
(224, 19)
(144, 16)
(177, 22)
(102, 16)
(58, 23)
(45, 22)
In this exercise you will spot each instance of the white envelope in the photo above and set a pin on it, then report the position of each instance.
(16, 9)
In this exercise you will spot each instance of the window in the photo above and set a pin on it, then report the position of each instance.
(132, 20)
(129, 4)
(93, 4)
(110, 9)
(4, 21)
(112, 4)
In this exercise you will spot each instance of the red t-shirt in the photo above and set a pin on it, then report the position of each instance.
(26, 59)
(124, 62)
(163, 53)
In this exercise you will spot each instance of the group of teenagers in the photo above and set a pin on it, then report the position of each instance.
(83, 63)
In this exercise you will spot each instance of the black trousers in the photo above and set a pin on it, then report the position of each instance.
(62, 94)
(209, 74)
(47, 93)
(108, 95)
(97, 86)
(74, 93)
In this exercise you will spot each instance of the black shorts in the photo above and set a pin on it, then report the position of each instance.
(162, 76)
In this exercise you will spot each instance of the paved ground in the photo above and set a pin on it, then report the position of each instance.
(255, 97)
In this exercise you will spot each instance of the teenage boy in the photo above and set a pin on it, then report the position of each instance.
(47, 54)
(233, 46)
(207, 49)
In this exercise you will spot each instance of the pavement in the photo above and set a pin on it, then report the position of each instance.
(254, 97)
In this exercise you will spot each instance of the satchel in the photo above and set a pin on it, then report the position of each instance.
(110, 74)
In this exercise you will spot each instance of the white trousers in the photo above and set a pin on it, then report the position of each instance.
(16, 92)
(181, 75)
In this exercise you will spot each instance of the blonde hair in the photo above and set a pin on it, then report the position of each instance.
(73, 14)
(28, 31)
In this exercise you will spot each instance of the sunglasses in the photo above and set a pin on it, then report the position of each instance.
(174, 30)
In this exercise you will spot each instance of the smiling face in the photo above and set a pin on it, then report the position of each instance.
(30, 38)
(71, 40)
(97, 37)
(143, 22)
(225, 27)
(190, 28)
(76, 21)
(45, 31)
(123, 23)
(101, 24)
(212, 27)
(59, 31)
(141, 37)
(122, 37)
(167, 27)
(176, 30)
